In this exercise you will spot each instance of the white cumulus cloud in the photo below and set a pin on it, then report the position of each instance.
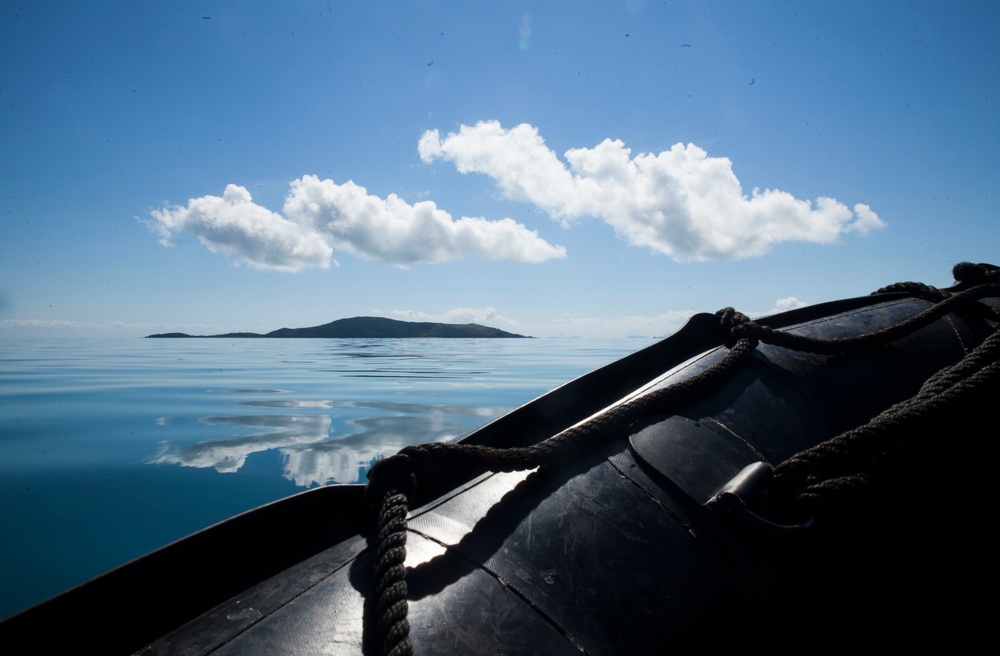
(243, 231)
(680, 202)
(393, 231)
(786, 304)
(867, 220)
(321, 216)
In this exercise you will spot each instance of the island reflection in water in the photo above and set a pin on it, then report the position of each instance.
(313, 450)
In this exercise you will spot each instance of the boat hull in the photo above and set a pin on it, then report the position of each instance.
(634, 546)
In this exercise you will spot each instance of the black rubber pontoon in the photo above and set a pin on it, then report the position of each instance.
(803, 483)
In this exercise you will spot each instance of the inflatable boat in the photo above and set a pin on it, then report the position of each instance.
(810, 482)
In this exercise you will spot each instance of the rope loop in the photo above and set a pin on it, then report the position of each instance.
(395, 472)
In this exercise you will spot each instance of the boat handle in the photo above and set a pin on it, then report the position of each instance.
(750, 482)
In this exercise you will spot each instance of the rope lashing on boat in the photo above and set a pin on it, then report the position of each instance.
(384, 477)
(825, 472)
(884, 337)
(841, 465)
(392, 480)
(477, 458)
(966, 274)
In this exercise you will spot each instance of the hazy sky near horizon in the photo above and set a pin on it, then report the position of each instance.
(551, 168)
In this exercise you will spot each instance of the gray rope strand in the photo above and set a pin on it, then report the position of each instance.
(831, 468)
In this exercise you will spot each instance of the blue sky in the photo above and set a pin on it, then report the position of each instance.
(551, 168)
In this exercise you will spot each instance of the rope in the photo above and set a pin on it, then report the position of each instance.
(824, 472)
(390, 575)
(869, 340)
(968, 274)
(422, 459)
(843, 465)
(917, 289)
(832, 469)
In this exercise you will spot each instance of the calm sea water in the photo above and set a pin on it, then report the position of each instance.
(111, 448)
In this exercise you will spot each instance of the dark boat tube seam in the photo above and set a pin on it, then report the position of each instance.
(506, 585)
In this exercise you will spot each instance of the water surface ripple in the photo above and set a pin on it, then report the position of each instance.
(111, 448)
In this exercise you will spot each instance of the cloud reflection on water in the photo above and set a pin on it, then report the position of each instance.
(310, 454)
(229, 454)
(487, 412)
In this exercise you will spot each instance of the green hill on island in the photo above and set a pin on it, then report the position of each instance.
(368, 327)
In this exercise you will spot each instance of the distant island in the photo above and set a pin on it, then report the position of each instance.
(368, 327)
